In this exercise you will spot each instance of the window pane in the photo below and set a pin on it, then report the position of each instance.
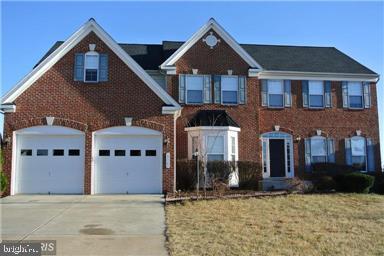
(316, 101)
(92, 61)
(26, 152)
(318, 147)
(275, 86)
(151, 152)
(355, 101)
(355, 89)
(215, 157)
(233, 145)
(58, 152)
(275, 100)
(74, 152)
(215, 144)
(135, 152)
(119, 152)
(358, 146)
(42, 152)
(318, 159)
(104, 152)
(194, 96)
(194, 144)
(359, 162)
(91, 75)
(315, 87)
(229, 83)
(195, 82)
(230, 97)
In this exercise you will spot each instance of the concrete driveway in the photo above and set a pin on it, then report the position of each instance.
(88, 225)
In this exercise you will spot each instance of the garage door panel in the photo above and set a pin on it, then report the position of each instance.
(134, 171)
(53, 164)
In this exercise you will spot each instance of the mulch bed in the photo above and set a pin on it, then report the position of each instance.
(211, 195)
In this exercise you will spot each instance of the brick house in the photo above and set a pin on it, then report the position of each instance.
(95, 116)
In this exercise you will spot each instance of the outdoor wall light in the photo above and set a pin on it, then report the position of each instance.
(128, 121)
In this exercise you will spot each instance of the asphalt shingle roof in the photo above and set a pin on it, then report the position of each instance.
(212, 118)
(270, 57)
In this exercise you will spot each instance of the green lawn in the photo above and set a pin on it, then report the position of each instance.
(339, 224)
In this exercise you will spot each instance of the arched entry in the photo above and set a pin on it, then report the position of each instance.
(277, 155)
(127, 160)
(48, 160)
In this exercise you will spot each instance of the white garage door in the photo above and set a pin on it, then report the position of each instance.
(127, 160)
(49, 160)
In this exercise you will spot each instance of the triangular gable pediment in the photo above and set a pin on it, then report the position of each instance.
(62, 50)
(211, 25)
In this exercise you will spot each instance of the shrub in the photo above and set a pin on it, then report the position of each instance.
(186, 177)
(324, 183)
(220, 170)
(355, 182)
(331, 169)
(3, 182)
(299, 185)
(250, 174)
(378, 186)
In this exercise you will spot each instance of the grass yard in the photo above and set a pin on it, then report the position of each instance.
(338, 224)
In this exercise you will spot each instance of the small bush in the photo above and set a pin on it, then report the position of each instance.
(324, 183)
(330, 169)
(378, 186)
(300, 185)
(250, 174)
(3, 182)
(355, 182)
(220, 170)
(186, 177)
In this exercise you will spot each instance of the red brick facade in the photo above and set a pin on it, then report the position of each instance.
(90, 107)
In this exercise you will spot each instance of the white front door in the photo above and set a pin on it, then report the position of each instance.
(127, 163)
(49, 163)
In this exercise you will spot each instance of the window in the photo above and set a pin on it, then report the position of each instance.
(26, 152)
(358, 152)
(316, 94)
(355, 94)
(74, 152)
(318, 150)
(215, 148)
(104, 152)
(233, 149)
(58, 152)
(42, 152)
(135, 152)
(150, 152)
(91, 67)
(229, 88)
(276, 93)
(119, 152)
(195, 146)
(194, 85)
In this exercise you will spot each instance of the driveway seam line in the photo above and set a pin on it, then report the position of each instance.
(52, 218)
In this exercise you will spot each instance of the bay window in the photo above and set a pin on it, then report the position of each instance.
(215, 148)
(229, 89)
(316, 94)
(194, 87)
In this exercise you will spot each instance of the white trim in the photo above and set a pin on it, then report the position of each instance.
(89, 26)
(296, 75)
(217, 128)
(211, 24)
(8, 108)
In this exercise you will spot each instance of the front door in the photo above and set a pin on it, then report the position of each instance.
(277, 158)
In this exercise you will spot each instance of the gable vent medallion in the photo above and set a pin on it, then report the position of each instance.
(211, 40)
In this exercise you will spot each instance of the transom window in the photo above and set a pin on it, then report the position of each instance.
(215, 148)
(91, 67)
(318, 149)
(358, 152)
(229, 89)
(276, 93)
(355, 94)
(194, 86)
(316, 94)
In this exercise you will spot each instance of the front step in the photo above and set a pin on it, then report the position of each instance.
(269, 184)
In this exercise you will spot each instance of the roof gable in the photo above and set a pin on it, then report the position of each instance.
(210, 25)
(74, 39)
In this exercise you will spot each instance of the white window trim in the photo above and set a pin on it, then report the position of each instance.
(237, 90)
(91, 53)
(282, 94)
(186, 90)
(309, 94)
(362, 95)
